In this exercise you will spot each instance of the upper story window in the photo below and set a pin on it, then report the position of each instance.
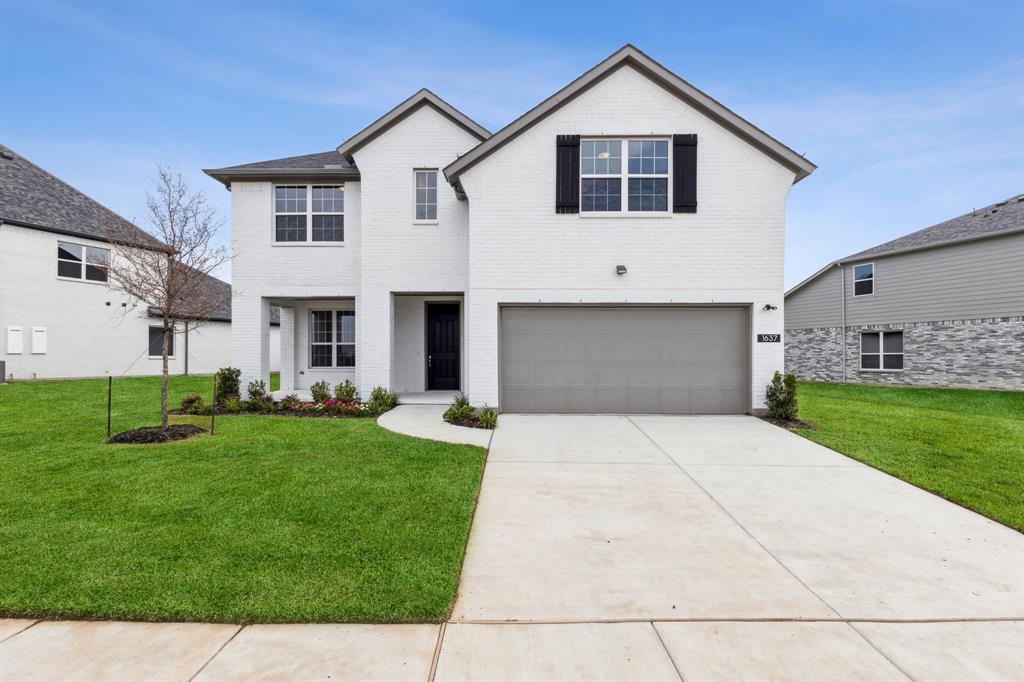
(426, 194)
(644, 176)
(309, 213)
(864, 279)
(75, 261)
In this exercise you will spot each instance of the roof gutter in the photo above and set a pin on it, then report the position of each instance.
(226, 175)
(82, 235)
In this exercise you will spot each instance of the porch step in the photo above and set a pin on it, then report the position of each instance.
(427, 398)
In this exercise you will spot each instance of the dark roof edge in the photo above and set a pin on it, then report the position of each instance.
(226, 176)
(632, 56)
(81, 235)
(154, 312)
(420, 98)
(870, 257)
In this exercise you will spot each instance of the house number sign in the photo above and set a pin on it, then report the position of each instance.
(769, 338)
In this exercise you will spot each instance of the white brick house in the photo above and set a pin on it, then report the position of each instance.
(618, 248)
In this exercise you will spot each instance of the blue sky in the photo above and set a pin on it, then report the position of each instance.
(914, 112)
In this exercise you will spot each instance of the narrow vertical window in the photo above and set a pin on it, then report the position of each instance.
(328, 213)
(426, 194)
(156, 343)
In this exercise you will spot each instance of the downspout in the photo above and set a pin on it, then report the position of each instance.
(842, 334)
(186, 348)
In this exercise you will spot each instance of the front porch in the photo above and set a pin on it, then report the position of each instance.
(410, 343)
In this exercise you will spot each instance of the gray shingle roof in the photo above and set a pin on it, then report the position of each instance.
(321, 165)
(32, 197)
(1000, 217)
(319, 160)
(220, 291)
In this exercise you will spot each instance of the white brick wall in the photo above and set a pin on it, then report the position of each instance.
(730, 251)
(86, 337)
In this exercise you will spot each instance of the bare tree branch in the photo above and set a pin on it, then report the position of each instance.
(174, 281)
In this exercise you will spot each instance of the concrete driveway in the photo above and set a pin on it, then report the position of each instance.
(726, 529)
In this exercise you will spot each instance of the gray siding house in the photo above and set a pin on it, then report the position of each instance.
(943, 306)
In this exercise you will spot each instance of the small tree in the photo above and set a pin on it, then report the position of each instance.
(173, 281)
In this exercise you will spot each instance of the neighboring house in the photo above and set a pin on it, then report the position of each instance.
(58, 316)
(617, 248)
(943, 306)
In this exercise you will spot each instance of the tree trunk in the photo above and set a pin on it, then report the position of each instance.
(163, 384)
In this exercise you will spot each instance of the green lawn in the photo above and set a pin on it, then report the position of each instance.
(967, 446)
(273, 519)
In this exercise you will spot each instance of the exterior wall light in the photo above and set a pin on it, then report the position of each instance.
(620, 269)
(769, 306)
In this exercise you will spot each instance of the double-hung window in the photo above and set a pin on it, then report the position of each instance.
(864, 279)
(643, 175)
(309, 213)
(426, 194)
(75, 261)
(881, 350)
(332, 338)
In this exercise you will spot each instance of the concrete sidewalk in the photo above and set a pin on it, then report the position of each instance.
(658, 650)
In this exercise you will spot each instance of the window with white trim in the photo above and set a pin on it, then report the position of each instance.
(426, 194)
(332, 338)
(644, 176)
(881, 351)
(76, 261)
(309, 213)
(864, 279)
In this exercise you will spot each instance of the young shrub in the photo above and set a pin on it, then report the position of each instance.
(382, 400)
(227, 384)
(188, 401)
(257, 390)
(289, 402)
(780, 397)
(488, 417)
(232, 406)
(460, 410)
(345, 392)
(321, 392)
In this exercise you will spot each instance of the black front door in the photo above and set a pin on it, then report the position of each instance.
(442, 346)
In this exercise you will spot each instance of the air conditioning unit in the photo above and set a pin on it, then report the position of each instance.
(3, 371)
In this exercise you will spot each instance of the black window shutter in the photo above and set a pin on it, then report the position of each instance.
(684, 173)
(567, 174)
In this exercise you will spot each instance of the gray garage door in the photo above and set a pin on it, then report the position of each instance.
(624, 360)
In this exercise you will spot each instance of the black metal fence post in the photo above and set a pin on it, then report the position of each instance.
(110, 390)
(213, 409)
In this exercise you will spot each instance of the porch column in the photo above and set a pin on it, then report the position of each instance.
(287, 349)
(374, 331)
(250, 339)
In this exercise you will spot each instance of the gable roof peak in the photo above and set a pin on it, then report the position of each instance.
(636, 58)
(422, 97)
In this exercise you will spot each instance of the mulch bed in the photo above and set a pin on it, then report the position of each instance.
(472, 423)
(154, 434)
(789, 424)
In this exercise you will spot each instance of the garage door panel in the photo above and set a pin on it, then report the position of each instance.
(626, 360)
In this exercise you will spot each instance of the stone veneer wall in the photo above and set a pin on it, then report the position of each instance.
(979, 353)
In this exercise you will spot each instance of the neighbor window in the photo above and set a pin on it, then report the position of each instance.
(156, 343)
(426, 195)
(309, 213)
(76, 261)
(644, 176)
(881, 350)
(332, 338)
(864, 279)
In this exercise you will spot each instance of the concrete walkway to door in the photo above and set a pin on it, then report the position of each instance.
(747, 550)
